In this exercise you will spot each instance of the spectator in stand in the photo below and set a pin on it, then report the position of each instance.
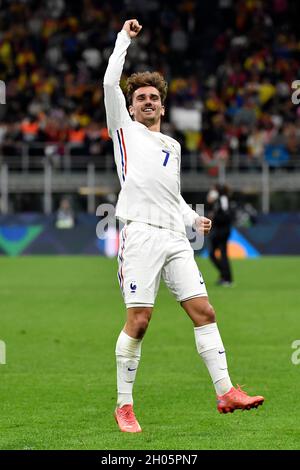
(235, 71)
(65, 216)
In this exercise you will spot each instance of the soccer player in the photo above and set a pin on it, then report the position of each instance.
(153, 242)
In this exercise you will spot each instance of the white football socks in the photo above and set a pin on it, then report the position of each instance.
(210, 347)
(128, 353)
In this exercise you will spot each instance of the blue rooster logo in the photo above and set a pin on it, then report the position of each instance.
(133, 287)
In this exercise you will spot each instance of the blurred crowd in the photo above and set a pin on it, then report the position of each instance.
(230, 65)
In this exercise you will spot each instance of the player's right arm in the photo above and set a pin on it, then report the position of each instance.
(114, 100)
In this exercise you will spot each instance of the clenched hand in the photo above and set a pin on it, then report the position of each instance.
(132, 27)
(203, 225)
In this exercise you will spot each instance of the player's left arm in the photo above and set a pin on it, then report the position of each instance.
(190, 217)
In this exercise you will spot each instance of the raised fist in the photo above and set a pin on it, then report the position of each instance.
(132, 27)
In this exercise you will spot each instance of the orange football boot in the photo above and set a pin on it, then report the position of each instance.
(126, 419)
(237, 399)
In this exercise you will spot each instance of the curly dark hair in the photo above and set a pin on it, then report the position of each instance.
(141, 79)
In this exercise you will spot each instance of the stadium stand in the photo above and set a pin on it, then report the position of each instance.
(229, 102)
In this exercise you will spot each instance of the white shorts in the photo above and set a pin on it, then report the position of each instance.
(145, 254)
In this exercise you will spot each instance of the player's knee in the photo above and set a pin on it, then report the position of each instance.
(141, 325)
(205, 314)
(209, 313)
(140, 321)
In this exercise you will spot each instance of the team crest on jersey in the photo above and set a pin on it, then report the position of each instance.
(133, 287)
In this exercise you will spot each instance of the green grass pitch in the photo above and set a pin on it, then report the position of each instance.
(60, 317)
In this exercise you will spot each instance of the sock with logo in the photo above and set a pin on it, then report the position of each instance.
(128, 353)
(210, 347)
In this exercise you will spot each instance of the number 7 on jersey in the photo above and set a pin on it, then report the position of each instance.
(166, 158)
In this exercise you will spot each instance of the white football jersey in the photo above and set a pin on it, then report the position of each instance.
(148, 162)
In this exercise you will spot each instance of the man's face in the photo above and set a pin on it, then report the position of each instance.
(146, 106)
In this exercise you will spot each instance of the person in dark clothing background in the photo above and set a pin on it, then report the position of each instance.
(220, 212)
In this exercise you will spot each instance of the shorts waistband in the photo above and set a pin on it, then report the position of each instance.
(146, 223)
(148, 226)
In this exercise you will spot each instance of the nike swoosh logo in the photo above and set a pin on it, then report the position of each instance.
(201, 282)
(221, 352)
(131, 370)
